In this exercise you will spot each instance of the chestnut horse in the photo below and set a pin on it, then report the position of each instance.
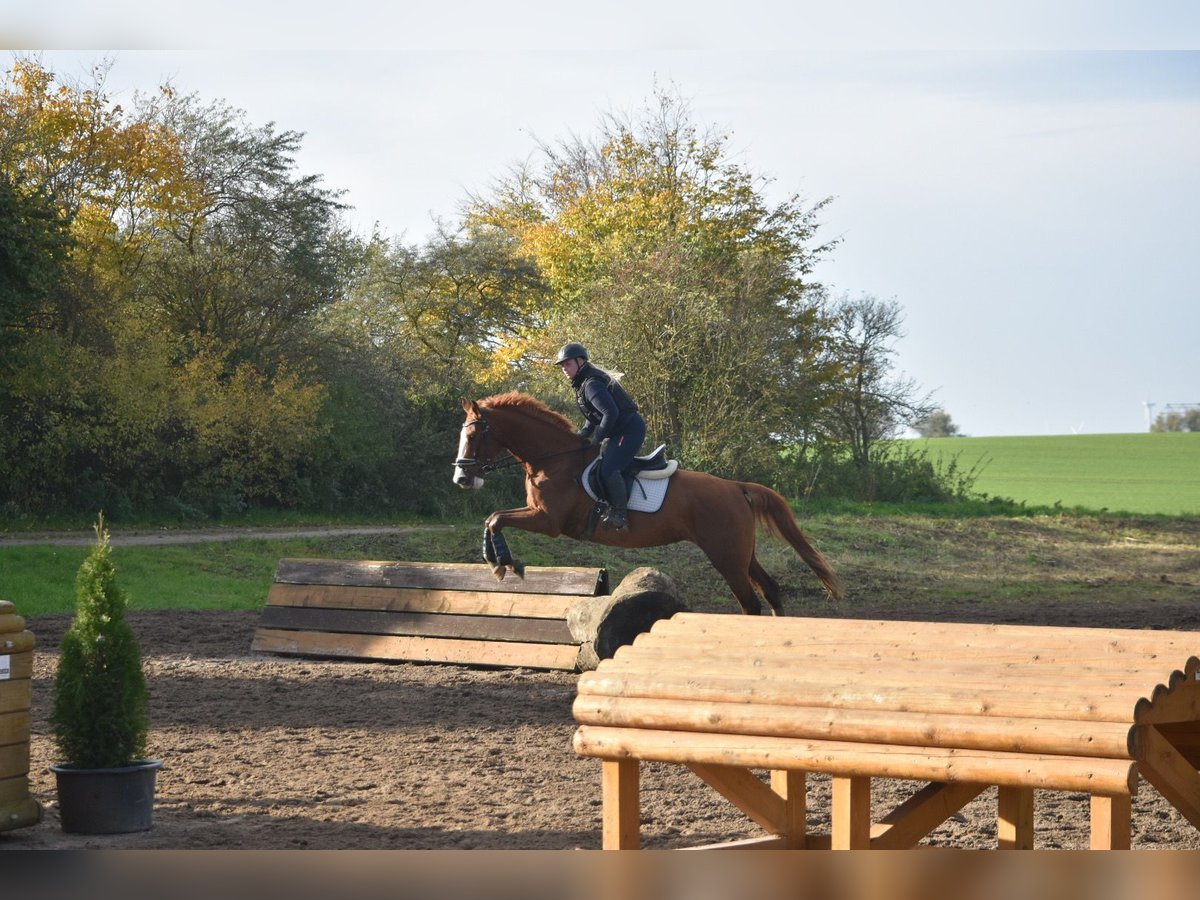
(717, 515)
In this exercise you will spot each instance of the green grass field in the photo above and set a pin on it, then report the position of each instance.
(1137, 473)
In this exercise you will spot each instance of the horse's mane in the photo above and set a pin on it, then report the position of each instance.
(531, 405)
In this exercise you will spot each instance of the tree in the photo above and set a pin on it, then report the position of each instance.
(937, 424)
(667, 261)
(871, 402)
(1178, 420)
(34, 244)
(257, 251)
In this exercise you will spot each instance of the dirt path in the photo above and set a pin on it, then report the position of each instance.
(273, 753)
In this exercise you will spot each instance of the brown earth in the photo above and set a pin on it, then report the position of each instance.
(269, 753)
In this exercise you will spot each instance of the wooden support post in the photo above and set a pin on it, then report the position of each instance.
(1014, 820)
(851, 814)
(1112, 821)
(622, 804)
(793, 788)
(1170, 773)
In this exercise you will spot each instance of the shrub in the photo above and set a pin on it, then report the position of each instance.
(100, 698)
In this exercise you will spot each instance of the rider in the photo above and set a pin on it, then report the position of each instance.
(610, 413)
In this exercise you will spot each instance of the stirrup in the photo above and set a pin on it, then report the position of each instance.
(616, 520)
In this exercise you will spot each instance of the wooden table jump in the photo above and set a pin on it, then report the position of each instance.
(960, 707)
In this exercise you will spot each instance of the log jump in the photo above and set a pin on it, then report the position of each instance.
(17, 808)
(553, 618)
(959, 707)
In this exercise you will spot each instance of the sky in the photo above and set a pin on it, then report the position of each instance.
(1023, 178)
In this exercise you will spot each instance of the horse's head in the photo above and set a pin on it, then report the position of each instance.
(476, 448)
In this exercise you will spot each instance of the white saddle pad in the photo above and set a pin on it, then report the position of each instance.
(646, 495)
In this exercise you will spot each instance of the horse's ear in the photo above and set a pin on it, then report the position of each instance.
(470, 407)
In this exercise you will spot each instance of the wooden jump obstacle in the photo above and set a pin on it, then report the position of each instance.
(961, 707)
(554, 618)
(17, 808)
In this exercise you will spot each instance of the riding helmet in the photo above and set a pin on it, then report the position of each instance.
(572, 350)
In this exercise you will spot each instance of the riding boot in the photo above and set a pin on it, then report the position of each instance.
(618, 501)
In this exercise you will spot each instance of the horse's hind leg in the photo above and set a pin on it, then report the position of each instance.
(734, 570)
(768, 585)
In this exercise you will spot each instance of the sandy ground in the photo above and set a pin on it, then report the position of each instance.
(273, 753)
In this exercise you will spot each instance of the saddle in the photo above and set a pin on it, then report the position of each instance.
(646, 480)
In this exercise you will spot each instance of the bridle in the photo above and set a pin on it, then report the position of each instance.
(501, 461)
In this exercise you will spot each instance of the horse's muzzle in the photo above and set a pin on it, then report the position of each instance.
(465, 480)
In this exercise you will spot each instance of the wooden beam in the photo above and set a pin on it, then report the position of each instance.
(477, 628)
(791, 686)
(1112, 823)
(744, 790)
(622, 817)
(916, 817)
(872, 726)
(416, 649)
(792, 787)
(850, 828)
(1014, 819)
(1165, 768)
(421, 600)
(446, 576)
(844, 758)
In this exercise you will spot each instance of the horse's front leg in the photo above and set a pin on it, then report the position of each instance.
(495, 547)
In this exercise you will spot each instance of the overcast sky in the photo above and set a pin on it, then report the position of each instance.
(1027, 188)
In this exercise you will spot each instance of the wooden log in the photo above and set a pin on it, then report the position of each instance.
(20, 666)
(1116, 641)
(1017, 735)
(14, 788)
(423, 600)
(667, 644)
(16, 695)
(604, 624)
(21, 813)
(1177, 702)
(492, 628)
(1143, 682)
(1019, 662)
(1053, 701)
(419, 649)
(14, 760)
(17, 642)
(1094, 776)
(440, 576)
(11, 623)
(14, 727)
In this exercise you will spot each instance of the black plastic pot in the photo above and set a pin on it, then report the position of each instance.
(107, 801)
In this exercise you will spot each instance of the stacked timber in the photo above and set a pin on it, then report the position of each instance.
(17, 808)
(553, 618)
(1021, 707)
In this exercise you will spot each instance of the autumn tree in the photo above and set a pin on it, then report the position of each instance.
(666, 259)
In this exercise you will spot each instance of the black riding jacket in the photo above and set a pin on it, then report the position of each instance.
(602, 401)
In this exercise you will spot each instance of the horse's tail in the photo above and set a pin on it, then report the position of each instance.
(772, 511)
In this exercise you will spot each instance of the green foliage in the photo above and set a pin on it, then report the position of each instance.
(100, 698)
(898, 472)
(670, 265)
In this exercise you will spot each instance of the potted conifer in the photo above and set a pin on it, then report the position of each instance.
(100, 721)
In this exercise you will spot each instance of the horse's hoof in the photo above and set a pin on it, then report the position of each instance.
(518, 569)
(499, 572)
